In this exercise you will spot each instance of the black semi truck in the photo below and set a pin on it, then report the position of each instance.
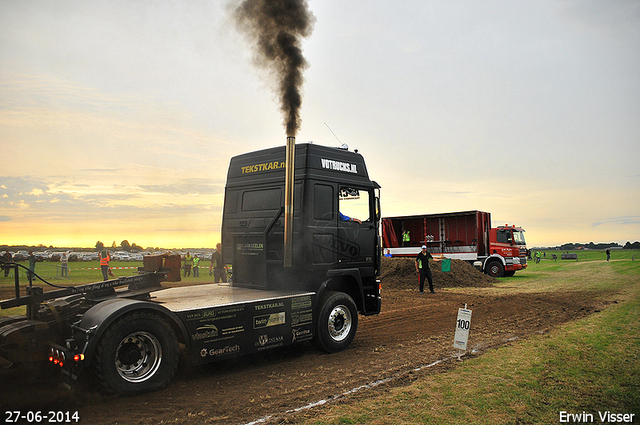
(130, 331)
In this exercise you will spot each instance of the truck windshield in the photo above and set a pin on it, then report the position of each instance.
(518, 238)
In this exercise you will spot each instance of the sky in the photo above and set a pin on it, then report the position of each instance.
(118, 118)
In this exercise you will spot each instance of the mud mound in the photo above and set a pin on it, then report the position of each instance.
(400, 273)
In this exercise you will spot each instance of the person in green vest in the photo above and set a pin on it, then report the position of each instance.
(406, 238)
(196, 265)
(422, 267)
(188, 263)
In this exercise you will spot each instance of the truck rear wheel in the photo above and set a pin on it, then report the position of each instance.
(138, 353)
(495, 269)
(337, 322)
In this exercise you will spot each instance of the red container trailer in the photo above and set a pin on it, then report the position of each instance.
(466, 235)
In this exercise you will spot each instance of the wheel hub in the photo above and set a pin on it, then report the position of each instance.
(138, 357)
(340, 323)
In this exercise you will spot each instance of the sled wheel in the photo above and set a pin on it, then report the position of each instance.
(138, 353)
(337, 322)
(495, 269)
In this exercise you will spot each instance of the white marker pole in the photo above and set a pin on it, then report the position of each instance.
(463, 324)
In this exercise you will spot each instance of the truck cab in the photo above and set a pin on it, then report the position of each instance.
(508, 242)
(336, 214)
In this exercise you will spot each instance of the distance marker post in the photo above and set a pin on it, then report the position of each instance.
(463, 325)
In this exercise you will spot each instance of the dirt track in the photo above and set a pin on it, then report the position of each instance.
(411, 332)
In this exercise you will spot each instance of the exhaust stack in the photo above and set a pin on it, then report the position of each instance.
(288, 200)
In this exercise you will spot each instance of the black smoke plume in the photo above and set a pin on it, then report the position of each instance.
(276, 27)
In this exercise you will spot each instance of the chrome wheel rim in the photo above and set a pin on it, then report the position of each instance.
(138, 357)
(340, 323)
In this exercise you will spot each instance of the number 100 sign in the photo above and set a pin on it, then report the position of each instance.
(463, 324)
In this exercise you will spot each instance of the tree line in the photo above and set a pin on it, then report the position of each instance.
(124, 246)
(591, 245)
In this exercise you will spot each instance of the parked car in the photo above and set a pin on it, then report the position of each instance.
(20, 256)
(121, 256)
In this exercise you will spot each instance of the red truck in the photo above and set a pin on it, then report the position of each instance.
(466, 235)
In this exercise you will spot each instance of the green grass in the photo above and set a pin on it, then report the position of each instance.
(79, 273)
(591, 272)
(591, 365)
(593, 255)
(87, 272)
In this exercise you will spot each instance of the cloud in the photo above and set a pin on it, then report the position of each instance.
(28, 198)
(190, 186)
(13, 187)
(622, 221)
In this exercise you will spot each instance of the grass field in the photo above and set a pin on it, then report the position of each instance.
(587, 367)
(80, 273)
(89, 271)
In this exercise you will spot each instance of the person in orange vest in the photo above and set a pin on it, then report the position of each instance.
(104, 264)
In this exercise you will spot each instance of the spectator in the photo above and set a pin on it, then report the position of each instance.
(64, 265)
(406, 238)
(188, 263)
(196, 265)
(32, 266)
(7, 259)
(217, 266)
(104, 263)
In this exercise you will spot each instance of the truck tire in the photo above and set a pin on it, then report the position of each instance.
(337, 322)
(138, 353)
(495, 269)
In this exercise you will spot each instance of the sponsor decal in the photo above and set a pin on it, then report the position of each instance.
(204, 332)
(301, 318)
(214, 352)
(250, 249)
(265, 166)
(330, 164)
(256, 246)
(214, 314)
(269, 320)
(279, 304)
(264, 340)
(299, 303)
(233, 330)
(300, 334)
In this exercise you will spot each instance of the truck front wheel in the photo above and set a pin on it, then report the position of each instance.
(337, 322)
(495, 269)
(138, 353)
